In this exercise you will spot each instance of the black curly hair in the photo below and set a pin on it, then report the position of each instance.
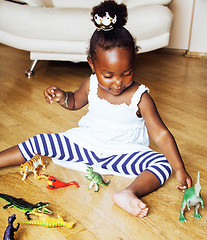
(119, 36)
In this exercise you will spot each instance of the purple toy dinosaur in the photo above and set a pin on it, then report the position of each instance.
(9, 233)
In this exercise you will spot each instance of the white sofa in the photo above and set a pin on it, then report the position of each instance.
(61, 29)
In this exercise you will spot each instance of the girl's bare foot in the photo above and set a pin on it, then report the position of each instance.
(128, 201)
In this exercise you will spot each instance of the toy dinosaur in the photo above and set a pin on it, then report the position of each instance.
(96, 179)
(54, 183)
(192, 197)
(9, 233)
(24, 206)
(47, 221)
(32, 166)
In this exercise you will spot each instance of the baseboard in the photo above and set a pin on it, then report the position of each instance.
(172, 51)
(196, 55)
(182, 52)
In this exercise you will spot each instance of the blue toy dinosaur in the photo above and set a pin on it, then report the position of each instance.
(9, 233)
(192, 197)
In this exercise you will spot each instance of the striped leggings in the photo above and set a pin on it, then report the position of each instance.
(61, 148)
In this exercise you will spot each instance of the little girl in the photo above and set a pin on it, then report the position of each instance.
(112, 137)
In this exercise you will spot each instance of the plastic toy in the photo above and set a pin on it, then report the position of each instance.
(32, 166)
(49, 222)
(54, 183)
(24, 206)
(9, 233)
(96, 179)
(192, 197)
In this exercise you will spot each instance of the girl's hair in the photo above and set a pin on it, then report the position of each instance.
(118, 36)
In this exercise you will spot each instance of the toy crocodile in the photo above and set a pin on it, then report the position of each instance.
(24, 206)
(49, 222)
(9, 233)
(192, 197)
(96, 179)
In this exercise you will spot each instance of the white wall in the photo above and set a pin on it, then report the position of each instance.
(182, 11)
(189, 30)
(198, 41)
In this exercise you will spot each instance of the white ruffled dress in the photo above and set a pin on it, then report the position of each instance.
(109, 129)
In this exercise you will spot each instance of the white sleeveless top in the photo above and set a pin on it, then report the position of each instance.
(108, 128)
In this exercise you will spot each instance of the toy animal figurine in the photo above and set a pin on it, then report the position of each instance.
(96, 179)
(32, 166)
(9, 233)
(24, 206)
(53, 183)
(49, 222)
(192, 197)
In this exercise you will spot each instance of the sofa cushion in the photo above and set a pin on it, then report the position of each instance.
(66, 31)
(92, 3)
(46, 23)
(36, 3)
(67, 25)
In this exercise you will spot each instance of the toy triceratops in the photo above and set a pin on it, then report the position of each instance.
(192, 197)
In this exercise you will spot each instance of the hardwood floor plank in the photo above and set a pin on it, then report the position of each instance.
(179, 87)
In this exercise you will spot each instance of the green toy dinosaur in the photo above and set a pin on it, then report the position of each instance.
(192, 197)
(96, 179)
(24, 206)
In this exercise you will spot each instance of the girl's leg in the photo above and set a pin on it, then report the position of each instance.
(10, 157)
(155, 170)
(44, 144)
(129, 198)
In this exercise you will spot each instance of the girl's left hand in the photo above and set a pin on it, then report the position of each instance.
(184, 179)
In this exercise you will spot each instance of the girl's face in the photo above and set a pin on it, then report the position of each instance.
(114, 69)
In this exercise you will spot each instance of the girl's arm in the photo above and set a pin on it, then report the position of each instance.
(69, 100)
(164, 139)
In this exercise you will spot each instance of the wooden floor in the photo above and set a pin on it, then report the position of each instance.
(179, 87)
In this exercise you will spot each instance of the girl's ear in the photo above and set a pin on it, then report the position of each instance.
(90, 62)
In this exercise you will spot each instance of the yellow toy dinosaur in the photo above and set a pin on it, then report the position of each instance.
(46, 221)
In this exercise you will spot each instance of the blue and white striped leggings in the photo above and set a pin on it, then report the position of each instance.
(59, 147)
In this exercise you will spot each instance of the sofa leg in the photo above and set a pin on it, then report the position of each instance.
(30, 72)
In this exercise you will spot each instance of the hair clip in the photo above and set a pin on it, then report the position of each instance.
(106, 22)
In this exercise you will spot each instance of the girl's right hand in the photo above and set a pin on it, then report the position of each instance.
(54, 94)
